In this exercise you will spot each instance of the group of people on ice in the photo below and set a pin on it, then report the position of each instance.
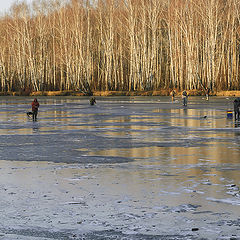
(92, 101)
(185, 95)
(236, 102)
(35, 106)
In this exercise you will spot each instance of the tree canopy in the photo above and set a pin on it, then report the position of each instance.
(121, 45)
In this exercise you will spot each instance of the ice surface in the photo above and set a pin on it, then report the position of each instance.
(125, 168)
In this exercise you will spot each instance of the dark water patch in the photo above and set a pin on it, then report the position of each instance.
(168, 175)
(231, 201)
(120, 236)
(40, 233)
(228, 168)
(202, 212)
(68, 159)
(57, 148)
(98, 235)
(63, 147)
(182, 208)
(235, 223)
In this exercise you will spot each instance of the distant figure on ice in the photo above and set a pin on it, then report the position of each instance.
(184, 97)
(207, 93)
(173, 93)
(92, 101)
(35, 106)
(236, 105)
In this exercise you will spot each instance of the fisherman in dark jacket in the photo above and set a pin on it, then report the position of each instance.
(184, 97)
(92, 101)
(236, 105)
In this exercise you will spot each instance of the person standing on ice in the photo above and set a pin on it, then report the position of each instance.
(236, 106)
(92, 101)
(35, 106)
(173, 95)
(207, 93)
(184, 97)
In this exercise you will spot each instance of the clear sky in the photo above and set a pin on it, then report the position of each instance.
(6, 4)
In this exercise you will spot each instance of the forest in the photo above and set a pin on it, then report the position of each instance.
(120, 45)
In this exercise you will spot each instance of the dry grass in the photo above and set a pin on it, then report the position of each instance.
(228, 93)
(122, 93)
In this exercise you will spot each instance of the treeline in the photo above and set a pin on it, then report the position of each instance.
(121, 45)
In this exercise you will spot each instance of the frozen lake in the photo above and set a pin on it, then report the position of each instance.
(125, 168)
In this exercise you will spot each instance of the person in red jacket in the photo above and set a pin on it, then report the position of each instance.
(35, 106)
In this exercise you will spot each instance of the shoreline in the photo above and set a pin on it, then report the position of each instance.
(121, 93)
